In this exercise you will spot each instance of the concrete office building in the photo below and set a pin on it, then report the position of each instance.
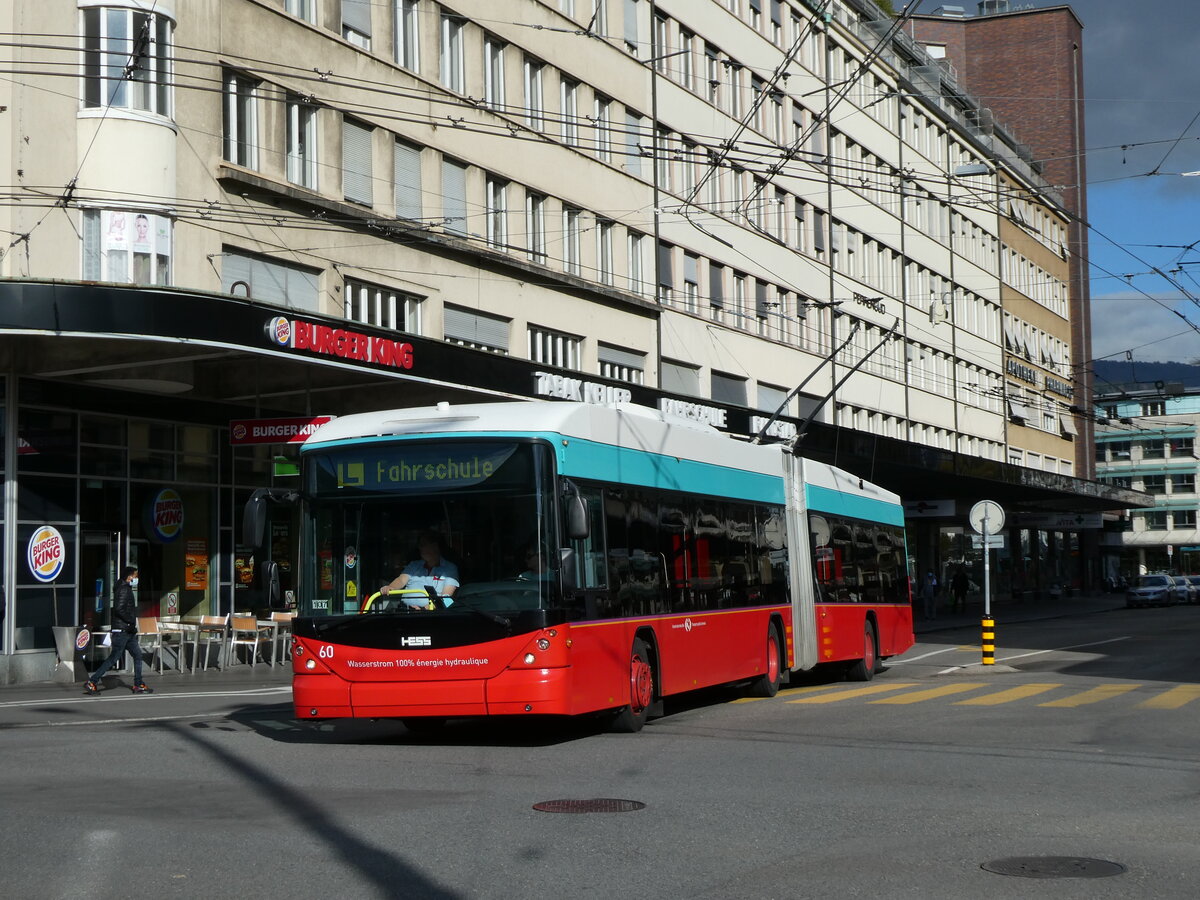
(246, 210)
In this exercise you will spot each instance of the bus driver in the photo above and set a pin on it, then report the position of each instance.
(431, 570)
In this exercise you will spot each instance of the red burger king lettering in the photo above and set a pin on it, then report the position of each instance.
(327, 341)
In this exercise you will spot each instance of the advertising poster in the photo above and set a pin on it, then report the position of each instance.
(195, 562)
(243, 569)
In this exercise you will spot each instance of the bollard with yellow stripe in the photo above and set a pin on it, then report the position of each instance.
(989, 641)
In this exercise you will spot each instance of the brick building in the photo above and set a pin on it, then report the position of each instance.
(1042, 100)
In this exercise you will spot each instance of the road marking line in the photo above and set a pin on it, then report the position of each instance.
(1003, 659)
(785, 692)
(1017, 693)
(854, 692)
(1174, 698)
(1095, 695)
(930, 694)
(900, 662)
(75, 723)
(1068, 647)
(144, 698)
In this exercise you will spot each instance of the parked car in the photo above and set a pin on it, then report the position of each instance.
(1193, 582)
(1153, 590)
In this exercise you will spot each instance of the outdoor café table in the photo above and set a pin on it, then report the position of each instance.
(194, 627)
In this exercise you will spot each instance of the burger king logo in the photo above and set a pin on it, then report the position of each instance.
(279, 330)
(81, 639)
(239, 431)
(166, 515)
(46, 553)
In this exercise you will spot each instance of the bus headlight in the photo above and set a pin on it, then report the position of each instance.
(543, 644)
(530, 659)
(310, 663)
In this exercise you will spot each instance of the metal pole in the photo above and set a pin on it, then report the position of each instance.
(988, 624)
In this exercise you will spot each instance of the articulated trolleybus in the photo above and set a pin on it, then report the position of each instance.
(606, 557)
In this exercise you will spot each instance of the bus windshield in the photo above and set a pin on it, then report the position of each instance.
(375, 506)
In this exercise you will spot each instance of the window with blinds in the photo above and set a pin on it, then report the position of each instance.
(728, 388)
(269, 281)
(356, 163)
(679, 378)
(622, 365)
(356, 22)
(454, 196)
(407, 180)
(554, 348)
(373, 304)
(471, 328)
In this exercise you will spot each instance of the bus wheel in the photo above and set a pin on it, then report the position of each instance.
(631, 718)
(424, 725)
(767, 684)
(864, 669)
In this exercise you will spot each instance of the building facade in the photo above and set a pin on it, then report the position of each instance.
(727, 209)
(1146, 441)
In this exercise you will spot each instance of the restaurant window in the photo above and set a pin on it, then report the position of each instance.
(126, 246)
(127, 60)
(269, 281)
(373, 304)
(472, 328)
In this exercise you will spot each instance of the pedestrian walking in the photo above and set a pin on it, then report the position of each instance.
(124, 635)
(929, 589)
(959, 585)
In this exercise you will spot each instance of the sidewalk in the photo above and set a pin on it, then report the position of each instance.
(1007, 611)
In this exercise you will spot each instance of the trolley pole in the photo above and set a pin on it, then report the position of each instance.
(987, 517)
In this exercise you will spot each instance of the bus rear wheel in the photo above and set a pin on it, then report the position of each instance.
(767, 684)
(864, 669)
(632, 717)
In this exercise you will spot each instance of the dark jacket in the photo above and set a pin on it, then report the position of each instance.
(124, 611)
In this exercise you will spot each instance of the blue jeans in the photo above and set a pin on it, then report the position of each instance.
(120, 643)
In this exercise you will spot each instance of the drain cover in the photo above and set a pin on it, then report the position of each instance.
(587, 806)
(1053, 867)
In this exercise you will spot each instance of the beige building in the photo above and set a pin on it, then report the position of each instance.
(237, 209)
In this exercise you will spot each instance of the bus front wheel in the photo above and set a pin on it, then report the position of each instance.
(767, 684)
(864, 669)
(632, 717)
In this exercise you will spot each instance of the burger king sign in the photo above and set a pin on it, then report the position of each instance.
(165, 515)
(46, 553)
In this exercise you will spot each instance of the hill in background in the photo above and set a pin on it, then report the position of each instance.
(1132, 375)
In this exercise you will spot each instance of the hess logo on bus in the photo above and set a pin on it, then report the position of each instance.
(420, 640)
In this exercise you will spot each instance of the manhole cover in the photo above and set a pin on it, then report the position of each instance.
(587, 806)
(1053, 867)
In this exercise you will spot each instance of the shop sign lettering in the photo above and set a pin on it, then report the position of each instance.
(325, 340)
(563, 387)
(275, 431)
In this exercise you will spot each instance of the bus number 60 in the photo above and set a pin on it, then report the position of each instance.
(325, 651)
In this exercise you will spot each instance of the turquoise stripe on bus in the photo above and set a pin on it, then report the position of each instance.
(603, 462)
(823, 499)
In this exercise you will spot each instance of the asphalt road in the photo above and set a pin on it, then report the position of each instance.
(903, 791)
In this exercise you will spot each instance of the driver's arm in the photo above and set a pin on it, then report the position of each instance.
(395, 584)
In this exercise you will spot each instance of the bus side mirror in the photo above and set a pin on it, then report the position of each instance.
(254, 519)
(578, 526)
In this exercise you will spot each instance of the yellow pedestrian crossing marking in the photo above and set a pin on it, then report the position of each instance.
(855, 692)
(931, 694)
(1095, 695)
(1017, 693)
(1174, 698)
(788, 692)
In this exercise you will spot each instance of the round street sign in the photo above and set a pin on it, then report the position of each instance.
(994, 513)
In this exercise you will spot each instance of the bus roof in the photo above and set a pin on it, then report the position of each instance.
(623, 425)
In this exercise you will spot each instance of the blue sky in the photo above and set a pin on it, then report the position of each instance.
(1142, 82)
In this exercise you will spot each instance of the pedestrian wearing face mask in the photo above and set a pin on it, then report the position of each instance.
(124, 635)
